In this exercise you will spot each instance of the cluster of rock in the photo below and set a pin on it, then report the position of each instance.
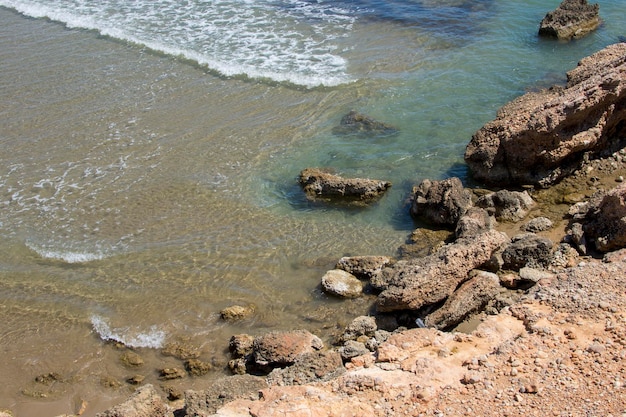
(572, 19)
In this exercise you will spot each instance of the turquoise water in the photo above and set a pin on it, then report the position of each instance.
(150, 150)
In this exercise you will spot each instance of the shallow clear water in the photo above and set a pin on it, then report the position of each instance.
(150, 150)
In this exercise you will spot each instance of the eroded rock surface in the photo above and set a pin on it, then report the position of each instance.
(543, 136)
(318, 184)
(441, 202)
(572, 19)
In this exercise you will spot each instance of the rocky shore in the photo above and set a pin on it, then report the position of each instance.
(513, 305)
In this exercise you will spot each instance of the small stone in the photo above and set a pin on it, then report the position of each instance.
(136, 379)
(131, 359)
(341, 283)
(197, 367)
(237, 313)
(171, 373)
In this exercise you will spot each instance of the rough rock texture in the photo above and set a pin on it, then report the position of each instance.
(204, 403)
(441, 202)
(475, 221)
(145, 402)
(413, 284)
(310, 367)
(363, 267)
(469, 298)
(342, 284)
(543, 136)
(318, 184)
(283, 348)
(527, 249)
(572, 19)
(237, 312)
(507, 206)
(355, 123)
(605, 220)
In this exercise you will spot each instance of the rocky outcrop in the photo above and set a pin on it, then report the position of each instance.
(527, 249)
(572, 19)
(413, 284)
(204, 403)
(310, 367)
(355, 123)
(441, 202)
(145, 402)
(507, 206)
(542, 136)
(601, 222)
(321, 185)
(469, 298)
(342, 284)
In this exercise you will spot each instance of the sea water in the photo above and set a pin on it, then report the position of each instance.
(150, 152)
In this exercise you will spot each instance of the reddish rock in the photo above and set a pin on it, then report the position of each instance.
(283, 348)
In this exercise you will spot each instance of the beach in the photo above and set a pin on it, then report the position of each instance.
(143, 192)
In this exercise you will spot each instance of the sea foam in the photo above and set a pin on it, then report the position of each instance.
(71, 257)
(154, 338)
(294, 42)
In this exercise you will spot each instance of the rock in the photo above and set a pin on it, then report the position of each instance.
(206, 402)
(413, 284)
(533, 275)
(196, 367)
(507, 206)
(278, 349)
(469, 298)
(475, 221)
(360, 326)
(318, 184)
(538, 224)
(352, 349)
(311, 367)
(424, 242)
(355, 123)
(605, 221)
(441, 202)
(572, 19)
(136, 379)
(237, 312)
(543, 136)
(181, 350)
(241, 345)
(145, 402)
(171, 373)
(131, 359)
(363, 267)
(342, 284)
(527, 250)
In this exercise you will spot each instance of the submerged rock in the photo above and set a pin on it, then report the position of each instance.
(145, 402)
(318, 184)
(541, 137)
(355, 123)
(572, 19)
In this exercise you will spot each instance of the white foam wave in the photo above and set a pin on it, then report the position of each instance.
(154, 338)
(256, 40)
(71, 257)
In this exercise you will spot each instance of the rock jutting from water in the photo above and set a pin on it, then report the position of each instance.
(321, 185)
(572, 19)
(358, 124)
(541, 137)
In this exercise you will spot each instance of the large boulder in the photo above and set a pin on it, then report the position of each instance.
(416, 283)
(604, 223)
(145, 402)
(469, 298)
(278, 349)
(441, 202)
(572, 19)
(321, 185)
(543, 136)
